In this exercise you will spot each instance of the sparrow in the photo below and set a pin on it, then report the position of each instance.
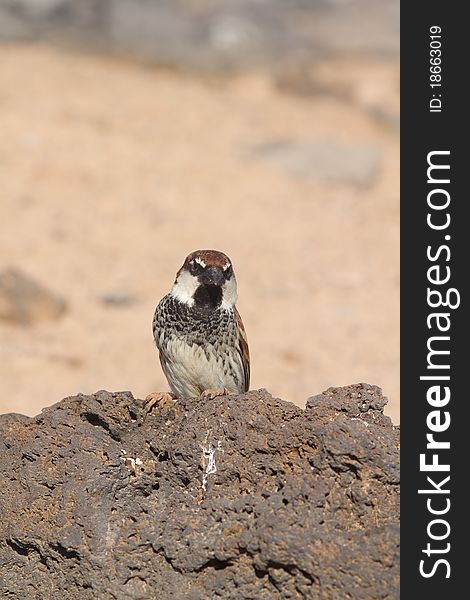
(198, 331)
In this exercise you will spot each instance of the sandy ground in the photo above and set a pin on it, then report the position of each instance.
(112, 172)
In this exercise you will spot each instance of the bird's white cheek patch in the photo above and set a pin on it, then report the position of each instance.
(184, 288)
(229, 293)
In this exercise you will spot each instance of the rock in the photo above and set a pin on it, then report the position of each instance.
(204, 36)
(235, 497)
(23, 301)
(370, 83)
(42, 9)
(326, 159)
(208, 35)
(12, 27)
(118, 299)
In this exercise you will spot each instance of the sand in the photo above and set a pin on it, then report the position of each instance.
(111, 172)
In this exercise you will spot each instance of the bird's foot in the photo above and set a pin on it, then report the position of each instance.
(159, 400)
(212, 393)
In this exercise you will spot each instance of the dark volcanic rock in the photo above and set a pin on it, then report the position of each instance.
(237, 497)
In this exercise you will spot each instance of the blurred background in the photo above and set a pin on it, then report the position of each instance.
(136, 131)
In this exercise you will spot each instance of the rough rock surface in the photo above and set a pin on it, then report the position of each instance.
(237, 497)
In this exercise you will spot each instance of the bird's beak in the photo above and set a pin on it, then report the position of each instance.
(212, 276)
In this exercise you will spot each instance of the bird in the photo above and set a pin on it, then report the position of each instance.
(202, 343)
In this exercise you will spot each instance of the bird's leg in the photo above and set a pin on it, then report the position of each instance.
(159, 400)
(212, 393)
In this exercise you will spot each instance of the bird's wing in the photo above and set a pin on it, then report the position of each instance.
(243, 349)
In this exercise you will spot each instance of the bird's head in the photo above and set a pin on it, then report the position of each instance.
(207, 280)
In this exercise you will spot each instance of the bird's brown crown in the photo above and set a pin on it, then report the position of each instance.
(207, 258)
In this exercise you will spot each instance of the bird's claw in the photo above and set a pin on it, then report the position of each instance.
(212, 393)
(159, 400)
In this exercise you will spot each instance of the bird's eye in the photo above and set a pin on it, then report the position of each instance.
(228, 272)
(195, 268)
